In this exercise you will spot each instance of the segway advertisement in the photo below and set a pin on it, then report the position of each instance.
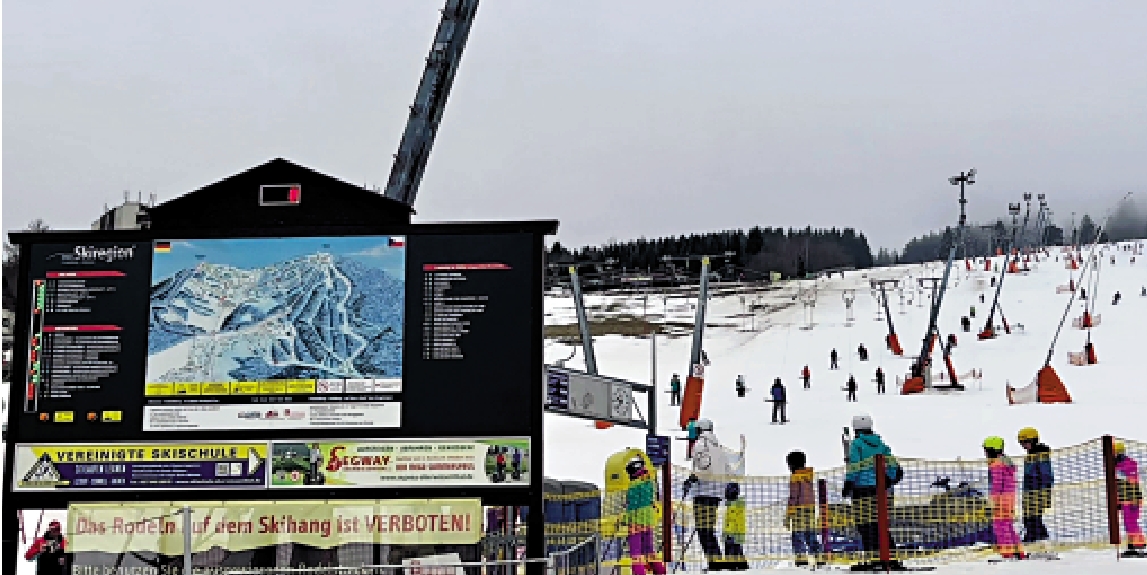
(400, 463)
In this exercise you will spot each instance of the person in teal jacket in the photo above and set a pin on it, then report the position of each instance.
(860, 483)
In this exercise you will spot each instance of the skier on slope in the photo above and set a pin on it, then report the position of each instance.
(740, 385)
(712, 464)
(806, 375)
(833, 357)
(879, 380)
(675, 390)
(779, 399)
(850, 387)
(862, 352)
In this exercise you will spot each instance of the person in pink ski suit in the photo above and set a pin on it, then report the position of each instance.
(1130, 497)
(1002, 492)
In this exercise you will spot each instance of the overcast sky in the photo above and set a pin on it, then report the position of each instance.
(619, 118)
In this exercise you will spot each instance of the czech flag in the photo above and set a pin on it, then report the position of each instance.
(396, 242)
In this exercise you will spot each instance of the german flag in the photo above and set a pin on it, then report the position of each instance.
(162, 247)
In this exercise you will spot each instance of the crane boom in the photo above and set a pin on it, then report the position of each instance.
(430, 100)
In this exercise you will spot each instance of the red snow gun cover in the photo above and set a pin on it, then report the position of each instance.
(691, 400)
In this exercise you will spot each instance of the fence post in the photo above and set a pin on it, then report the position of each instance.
(822, 504)
(667, 507)
(882, 510)
(1112, 489)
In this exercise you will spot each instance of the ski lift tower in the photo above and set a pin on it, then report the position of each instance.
(695, 380)
(920, 368)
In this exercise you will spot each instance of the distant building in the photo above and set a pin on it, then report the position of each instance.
(132, 215)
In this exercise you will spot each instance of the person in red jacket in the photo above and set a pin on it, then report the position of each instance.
(49, 551)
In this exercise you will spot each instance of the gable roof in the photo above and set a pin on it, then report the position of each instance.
(234, 202)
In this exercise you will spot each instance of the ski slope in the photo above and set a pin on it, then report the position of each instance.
(1108, 397)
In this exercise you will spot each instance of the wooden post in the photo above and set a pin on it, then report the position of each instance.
(882, 510)
(822, 501)
(1112, 490)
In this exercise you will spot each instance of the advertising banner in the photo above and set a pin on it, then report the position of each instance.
(140, 466)
(239, 526)
(401, 463)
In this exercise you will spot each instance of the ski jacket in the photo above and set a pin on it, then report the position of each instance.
(862, 466)
(1002, 487)
(49, 553)
(805, 373)
(735, 525)
(800, 514)
(1127, 480)
(778, 392)
(639, 499)
(711, 465)
(517, 458)
(1037, 468)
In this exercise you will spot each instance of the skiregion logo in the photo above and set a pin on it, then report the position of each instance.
(107, 254)
(337, 460)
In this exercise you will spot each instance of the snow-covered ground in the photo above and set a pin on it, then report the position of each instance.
(1108, 397)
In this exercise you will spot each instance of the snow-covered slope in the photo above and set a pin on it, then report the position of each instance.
(1109, 397)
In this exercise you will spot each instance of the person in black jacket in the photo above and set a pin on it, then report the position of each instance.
(851, 388)
(779, 400)
(1038, 482)
(879, 380)
(833, 357)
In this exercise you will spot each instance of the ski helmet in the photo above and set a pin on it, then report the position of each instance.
(635, 467)
(995, 443)
(1028, 433)
(704, 425)
(862, 422)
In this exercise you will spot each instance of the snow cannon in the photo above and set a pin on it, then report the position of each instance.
(894, 344)
(1013, 267)
(602, 425)
(987, 264)
(988, 333)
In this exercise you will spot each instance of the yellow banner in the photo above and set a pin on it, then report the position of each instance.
(122, 453)
(245, 525)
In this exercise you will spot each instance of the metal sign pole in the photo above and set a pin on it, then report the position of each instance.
(187, 540)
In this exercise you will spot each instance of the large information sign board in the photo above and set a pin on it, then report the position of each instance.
(411, 335)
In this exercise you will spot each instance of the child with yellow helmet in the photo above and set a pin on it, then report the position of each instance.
(1130, 500)
(1037, 484)
(1002, 493)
